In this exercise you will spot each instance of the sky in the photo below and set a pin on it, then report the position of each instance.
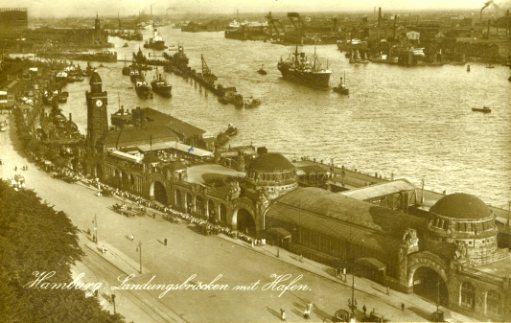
(63, 8)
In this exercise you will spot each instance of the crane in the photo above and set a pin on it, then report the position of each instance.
(297, 22)
(272, 22)
(486, 5)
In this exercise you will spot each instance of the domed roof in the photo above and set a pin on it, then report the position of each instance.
(271, 162)
(462, 206)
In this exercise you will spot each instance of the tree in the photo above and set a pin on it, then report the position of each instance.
(34, 237)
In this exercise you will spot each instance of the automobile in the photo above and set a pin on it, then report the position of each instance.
(102, 249)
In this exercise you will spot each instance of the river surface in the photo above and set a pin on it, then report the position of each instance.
(413, 123)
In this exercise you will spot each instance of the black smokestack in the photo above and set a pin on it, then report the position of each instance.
(379, 16)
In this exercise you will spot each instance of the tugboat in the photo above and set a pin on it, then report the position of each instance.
(126, 69)
(156, 42)
(231, 130)
(142, 88)
(299, 69)
(341, 88)
(134, 75)
(252, 103)
(262, 71)
(484, 109)
(161, 86)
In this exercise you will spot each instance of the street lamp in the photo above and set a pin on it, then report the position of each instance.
(139, 249)
(113, 301)
(95, 221)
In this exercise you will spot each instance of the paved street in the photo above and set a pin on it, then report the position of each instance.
(190, 253)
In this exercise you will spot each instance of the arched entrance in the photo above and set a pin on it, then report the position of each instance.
(189, 202)
(125, 180)
(199, 206)
(98, 171)
(430, 285)
(179, 200)
(223, 213)
(159, 192)
(245, 222)
(211, 211)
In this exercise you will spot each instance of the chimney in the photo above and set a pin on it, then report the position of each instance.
(70, 117)
(379, 16)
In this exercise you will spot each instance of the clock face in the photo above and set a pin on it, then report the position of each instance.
(99, 103)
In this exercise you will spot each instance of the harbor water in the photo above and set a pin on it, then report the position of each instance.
(414, 123)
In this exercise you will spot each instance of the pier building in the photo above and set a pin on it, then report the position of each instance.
(90, 37)
(448, 253)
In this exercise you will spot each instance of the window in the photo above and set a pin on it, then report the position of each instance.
(493, 302)
(467, 295)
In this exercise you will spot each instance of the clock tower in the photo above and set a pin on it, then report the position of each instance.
(97, 118)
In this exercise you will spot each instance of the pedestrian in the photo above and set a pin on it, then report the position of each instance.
(165, 241)
(282, 315)
(15, 168)
(402, 306)
(364, 308)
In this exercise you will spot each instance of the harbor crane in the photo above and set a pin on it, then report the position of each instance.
(298, 23)
(206, 72)
(486, 5)
(274, 24)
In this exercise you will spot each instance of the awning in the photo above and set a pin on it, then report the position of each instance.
(279, 233)
(371, 263)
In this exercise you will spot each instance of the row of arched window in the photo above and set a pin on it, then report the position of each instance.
(464, 226)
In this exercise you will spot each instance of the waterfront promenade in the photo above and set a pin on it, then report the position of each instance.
(189, 253)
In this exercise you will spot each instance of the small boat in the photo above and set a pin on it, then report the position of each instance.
(262, 71)
(490, 66)
(161, 86)
(231, 130)
(142, 88)
(483, 109)
(125, 45)
(134, 75)
(252, 103)
(341, 88)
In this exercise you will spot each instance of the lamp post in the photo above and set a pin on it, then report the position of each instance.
(113, 301)
(95, 229)
(139, 249)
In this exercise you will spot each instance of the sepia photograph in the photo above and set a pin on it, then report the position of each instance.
(231, 161)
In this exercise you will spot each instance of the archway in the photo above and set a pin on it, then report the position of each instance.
(179, 200)
(245, 222)
(223, 213)
(159, 192)
(199, 206)
(430, 285)
(189, 202)
(211, 211)
(98, 171)
(125, 180)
